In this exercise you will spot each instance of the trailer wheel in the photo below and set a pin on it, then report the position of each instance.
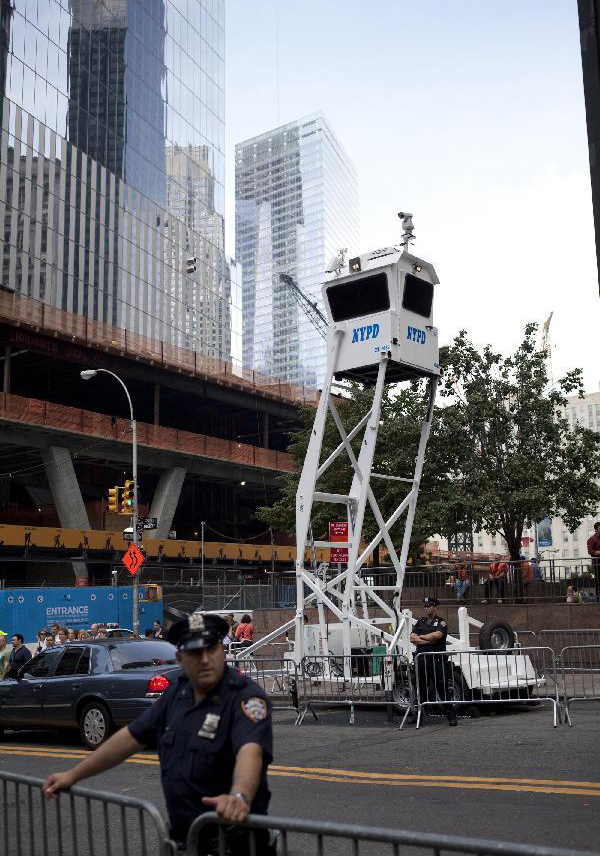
(403, 691)
(496, 636)
(456, 687)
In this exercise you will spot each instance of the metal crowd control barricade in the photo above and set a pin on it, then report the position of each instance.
(356, 680)
(314, 838)
(464, 678)
(278, 677)
(569, 637)
(580, 675)
(80, 822)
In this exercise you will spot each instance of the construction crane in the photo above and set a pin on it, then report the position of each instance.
(310, 309)
(545, 345)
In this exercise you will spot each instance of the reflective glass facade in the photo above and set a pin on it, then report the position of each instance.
(112, 165)
(296, 206)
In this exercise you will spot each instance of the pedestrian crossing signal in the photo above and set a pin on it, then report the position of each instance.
(128, 501)
(113, 499)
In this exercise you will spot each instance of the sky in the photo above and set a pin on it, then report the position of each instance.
(469, 114)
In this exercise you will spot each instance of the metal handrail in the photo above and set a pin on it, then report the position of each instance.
(167, 847)
(435, 842)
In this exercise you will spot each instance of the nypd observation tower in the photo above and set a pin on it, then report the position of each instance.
(381, 331)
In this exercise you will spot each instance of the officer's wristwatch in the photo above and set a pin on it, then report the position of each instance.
(242, 797)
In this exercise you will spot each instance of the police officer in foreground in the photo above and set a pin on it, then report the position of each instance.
(429, 634)
(214, 736)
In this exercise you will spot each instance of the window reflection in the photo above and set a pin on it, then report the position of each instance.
(104, 100)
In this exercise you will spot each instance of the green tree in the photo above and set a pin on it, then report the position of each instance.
(501, 454)
(514, 456)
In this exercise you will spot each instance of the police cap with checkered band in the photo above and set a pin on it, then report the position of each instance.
(198, 630)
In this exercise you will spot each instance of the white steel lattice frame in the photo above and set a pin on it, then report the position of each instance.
(340, 593)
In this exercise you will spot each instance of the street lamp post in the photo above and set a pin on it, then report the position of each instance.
(88, 374)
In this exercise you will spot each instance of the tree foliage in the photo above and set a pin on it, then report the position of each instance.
(501, 454)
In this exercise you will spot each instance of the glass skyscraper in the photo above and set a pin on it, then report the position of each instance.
(112, 166)
(296, 206)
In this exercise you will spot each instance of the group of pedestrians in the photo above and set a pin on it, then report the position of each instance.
(519, 573)
(240, 633)
(12, 660)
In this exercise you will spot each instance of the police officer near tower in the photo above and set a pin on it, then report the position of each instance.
(213, 731)
(429, 634)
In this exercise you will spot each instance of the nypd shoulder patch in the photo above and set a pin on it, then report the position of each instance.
(254, 708)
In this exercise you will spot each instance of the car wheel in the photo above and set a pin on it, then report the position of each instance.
(95, 724)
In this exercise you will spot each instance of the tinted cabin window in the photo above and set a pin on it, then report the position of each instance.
(359, 297)
(418, 295)
(69, 662)
(41, 666)
(142, 654)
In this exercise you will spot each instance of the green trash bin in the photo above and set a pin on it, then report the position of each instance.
(379, 652)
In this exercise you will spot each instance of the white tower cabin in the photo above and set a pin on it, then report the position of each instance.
(380, 311)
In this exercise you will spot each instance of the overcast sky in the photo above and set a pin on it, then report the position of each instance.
(469, 114)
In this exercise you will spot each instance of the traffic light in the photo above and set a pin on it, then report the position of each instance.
(113, 499)
(128, 501)
(190, 264)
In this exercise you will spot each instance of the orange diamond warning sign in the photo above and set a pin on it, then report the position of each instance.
(133, 559)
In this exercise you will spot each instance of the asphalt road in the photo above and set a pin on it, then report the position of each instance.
(510, 776)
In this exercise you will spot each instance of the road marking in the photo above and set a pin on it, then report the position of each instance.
(356, 777)
(420, 777)
(481, 786)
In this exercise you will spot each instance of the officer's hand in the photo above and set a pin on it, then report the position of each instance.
(228, 807)
(57, 782)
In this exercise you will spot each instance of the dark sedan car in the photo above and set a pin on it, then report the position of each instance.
(95, 686)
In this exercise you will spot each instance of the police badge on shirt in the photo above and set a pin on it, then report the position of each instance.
(209, 727)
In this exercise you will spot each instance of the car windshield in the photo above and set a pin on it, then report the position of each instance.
(142, 654)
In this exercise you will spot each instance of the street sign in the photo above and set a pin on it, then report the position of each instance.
(338, 531)
(147, 523)
(133, 559)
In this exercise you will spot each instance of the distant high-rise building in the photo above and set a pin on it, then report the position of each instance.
(296, 206)
(115, 114)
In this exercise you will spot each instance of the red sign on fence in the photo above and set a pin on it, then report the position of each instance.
(338, 532)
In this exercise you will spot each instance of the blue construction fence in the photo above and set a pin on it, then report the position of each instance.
(28, 610)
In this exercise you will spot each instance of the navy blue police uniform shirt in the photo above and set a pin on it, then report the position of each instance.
(423, 627)
(198, 743)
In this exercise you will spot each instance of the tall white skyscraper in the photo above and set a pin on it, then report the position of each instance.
(296, 206)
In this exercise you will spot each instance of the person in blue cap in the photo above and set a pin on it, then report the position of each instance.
(429, 635)
(214, 735)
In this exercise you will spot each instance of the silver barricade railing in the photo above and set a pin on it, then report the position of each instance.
(569, 638)
(309, 838)
(278, 678)
(455, 679)
(80, 822)
(579, 667)
(356, 680)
